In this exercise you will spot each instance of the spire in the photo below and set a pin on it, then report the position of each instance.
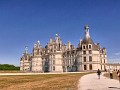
(38, 42)
(56, 35)
(68, 45)
(87, 35)
(87, 39)
(26, 49)
(56, 38)
(80, 42)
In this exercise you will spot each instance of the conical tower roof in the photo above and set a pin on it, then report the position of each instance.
(87, 39)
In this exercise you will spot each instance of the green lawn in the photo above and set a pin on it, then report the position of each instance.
(41, 82)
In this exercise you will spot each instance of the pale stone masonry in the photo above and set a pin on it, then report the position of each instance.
(58, 57)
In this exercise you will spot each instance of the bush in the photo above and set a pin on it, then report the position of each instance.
(8, 67)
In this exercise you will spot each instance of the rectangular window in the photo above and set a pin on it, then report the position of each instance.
(53, 56)
(84, 59)
(90, 66)
(85, 67)
(53, 61)
(104, 60)
(84, 52)
(90, 52)
(90, 58)
(38, 52)
(54, 47)
(25, 57)
(53, 68)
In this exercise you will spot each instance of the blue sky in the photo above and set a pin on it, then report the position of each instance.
(23, 22)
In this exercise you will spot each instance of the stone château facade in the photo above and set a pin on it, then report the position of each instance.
(58, 57)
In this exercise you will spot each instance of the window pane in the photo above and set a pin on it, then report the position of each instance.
(90, 66)
(90, 52)
(90, 58)
(53, 67)
(90, 46)
(85, 67)
(53, 61)
(84, 52)
(84, 59)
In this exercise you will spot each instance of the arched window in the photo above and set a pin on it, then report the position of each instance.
(90, 46)
(84, 47)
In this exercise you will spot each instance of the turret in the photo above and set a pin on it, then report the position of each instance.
(37, 58)
(87, 40)
(37, 48)
(80, 43)
(68, 45)
(51, 40)
(104, 50)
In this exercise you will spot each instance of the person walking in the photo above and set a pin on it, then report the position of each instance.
(111, 73)
(98, 73)
(118, 73)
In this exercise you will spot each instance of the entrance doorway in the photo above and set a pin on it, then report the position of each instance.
(85, 67)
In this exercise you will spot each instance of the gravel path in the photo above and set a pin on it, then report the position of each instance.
(91, 82)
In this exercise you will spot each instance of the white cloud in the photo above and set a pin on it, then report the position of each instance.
(114, 57)
(118, 53)
(112, 60)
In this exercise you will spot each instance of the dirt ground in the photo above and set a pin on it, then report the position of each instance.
(40, 82)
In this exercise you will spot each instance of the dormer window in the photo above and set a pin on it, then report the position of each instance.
(84, 46)
(90, 46)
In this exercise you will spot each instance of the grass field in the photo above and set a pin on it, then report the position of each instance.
(10, 71)
(114, 75)
(41, 82)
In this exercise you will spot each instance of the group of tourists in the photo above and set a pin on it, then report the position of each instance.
(110, 72)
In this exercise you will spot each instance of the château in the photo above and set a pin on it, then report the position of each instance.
(58, 57)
